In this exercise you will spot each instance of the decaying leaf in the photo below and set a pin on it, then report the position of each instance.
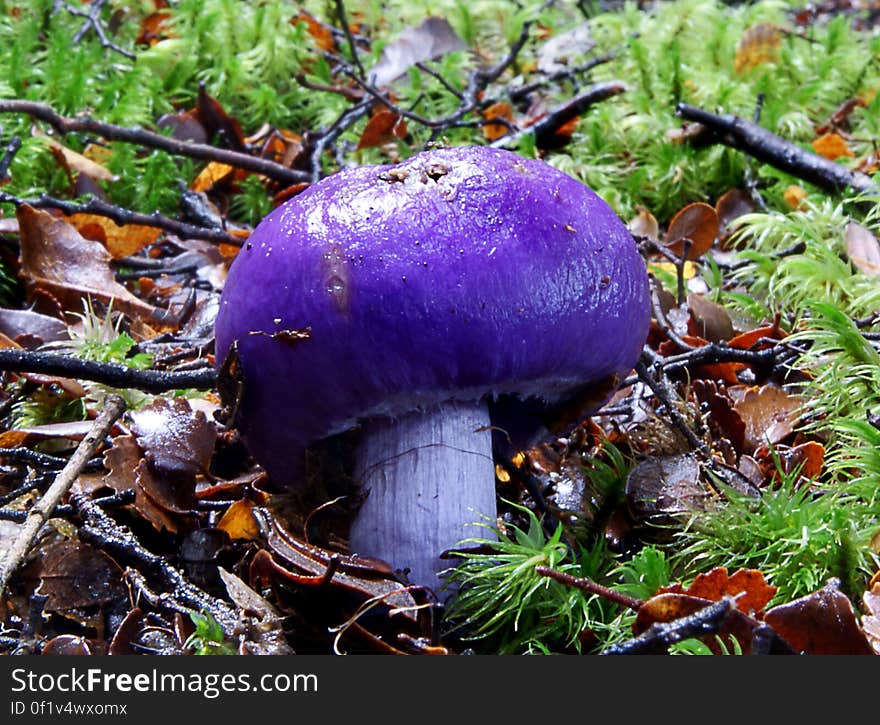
(769, 414)
(501, 109)
(121, 241)
(261, 623)
(662, 486)
(748, 586)
(431, 39)
(644, 224)
(174, 438)
(832, 146)
(383, 127)
(561, 50)
(74, 162)
(759, 44)
(871, 619)
(730, 206)
(697, 222)
(239, 523)
(708, 319)
(55, 257)
(822, 623)
(31, 329)
(863, 249)
(77, 576)
(794, 196)
(321, 33)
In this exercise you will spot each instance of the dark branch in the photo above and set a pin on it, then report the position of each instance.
(123, 216)
(117, 376)
(93, 22)
(141, 137)
(746, 136)
(11, 150)
(591, 587)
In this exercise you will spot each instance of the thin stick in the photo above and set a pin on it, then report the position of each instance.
(115, 375)
(203, 152)
(124, 216)
(591, 587)
(114, 406)
(746, 136)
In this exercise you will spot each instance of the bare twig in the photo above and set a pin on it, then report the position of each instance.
(142, 137)
(123, 216)
(93, 22)
(548, 125)
(658, 638)
(114, 406)
(115, 375)
(11, 150)
(101, 531)
(115, 500)
(746, 136)
(342, 17)
(591, 587)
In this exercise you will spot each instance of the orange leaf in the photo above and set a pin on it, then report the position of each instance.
(753, 590)
(239, 521)
(383, 127)
(321, 34)
(758, 45)
(493, 131)
(794, 196)
(212, 175)
(832, 146)
(121, 241)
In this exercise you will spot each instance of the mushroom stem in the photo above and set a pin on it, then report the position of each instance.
(430, 481)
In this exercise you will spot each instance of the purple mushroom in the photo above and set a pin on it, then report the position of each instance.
(428, 289)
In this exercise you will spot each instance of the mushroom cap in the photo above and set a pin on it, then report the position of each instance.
(457, 274)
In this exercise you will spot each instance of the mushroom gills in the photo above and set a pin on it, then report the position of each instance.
(429, 480)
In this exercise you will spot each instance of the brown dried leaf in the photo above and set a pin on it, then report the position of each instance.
(708, 319)
(184, 125)
(383, 127)
(871, 620)
(214, 174)
(748, 586)
(863, 249)
(794, 196)
(664, 486)
(217, 123)
(174, 438)
(431, 39)
(67, 645)
(33, 327)
(57, 258)
(74, 162)
(122, 462)
(832, 146)
(759, 44)
(644, 224)
(730, 206)
(769, 414)
(697, 222)
(154, 27)
(76, 575)
(822, 623)
(121, 241)
(723, 414)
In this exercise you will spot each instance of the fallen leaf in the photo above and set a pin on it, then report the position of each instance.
(261, 624)
(769, 414)
(57, 258)
(321, 34)
(759, 44)
(560, 51)
(794, 196)
(68, 645)
(494, 131)
(723, 414)
(697, 222)
(871, 620)
(218, 124)
(669, 607)
(238, 521)
(644, 224)
(120, 241)
(747, 586)
(659, 487)
(383, 127)
(822, 623)
(832, 146)
(122, 461)
(863, 249)
(730, 206)
(708, 319)
(184, 126)
(74, 162)
(75, 575)
(23, 326)
(431, 39)
(174, 438)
